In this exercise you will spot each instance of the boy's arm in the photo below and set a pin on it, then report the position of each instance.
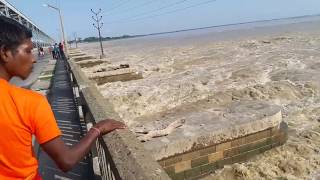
(66, 157)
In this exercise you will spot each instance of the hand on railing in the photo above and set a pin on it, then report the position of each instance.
(108, 125)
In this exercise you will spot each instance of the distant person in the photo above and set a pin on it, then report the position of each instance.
(56, 51)
(41, 51)
(61, 50)
(25, 113)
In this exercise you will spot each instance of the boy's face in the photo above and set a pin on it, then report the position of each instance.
(20, 62)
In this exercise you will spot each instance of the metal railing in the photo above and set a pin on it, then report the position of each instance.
(107, 169)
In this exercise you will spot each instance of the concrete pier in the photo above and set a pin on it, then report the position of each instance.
(209, 126)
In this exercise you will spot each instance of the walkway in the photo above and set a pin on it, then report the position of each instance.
(65, 110)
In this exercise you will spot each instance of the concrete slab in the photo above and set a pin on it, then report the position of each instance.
(92, 62)
(72, 52)
(104, 67)
(206, 125)
(84, 57)
(126, 74)
(77, 53)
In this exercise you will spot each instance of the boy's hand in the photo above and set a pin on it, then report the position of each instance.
(109, 125)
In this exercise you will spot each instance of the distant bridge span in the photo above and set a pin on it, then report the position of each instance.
(39, 37)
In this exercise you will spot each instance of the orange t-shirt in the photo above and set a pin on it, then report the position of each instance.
(23, 113)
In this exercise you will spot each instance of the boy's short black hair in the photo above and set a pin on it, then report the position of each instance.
(12, 33)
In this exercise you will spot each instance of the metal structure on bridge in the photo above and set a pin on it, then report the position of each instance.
(39, 37)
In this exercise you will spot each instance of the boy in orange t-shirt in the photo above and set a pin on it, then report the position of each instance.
(24, 113)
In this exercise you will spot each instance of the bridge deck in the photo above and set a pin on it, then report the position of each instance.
(64, 107)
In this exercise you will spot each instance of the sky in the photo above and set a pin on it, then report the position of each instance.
(132, 17)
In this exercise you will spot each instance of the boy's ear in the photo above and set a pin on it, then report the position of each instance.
(4, 54)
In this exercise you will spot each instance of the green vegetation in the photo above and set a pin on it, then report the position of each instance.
(96, 39)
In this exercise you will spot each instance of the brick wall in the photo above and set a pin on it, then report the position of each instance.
(200, 162)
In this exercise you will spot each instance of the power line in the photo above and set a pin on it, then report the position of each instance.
(118, 5)
(165, 13)
(155, 10)
(134, 7)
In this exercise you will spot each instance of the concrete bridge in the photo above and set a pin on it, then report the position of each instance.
(39, 37)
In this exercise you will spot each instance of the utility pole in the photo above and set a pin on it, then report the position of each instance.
(64, 40)
(98, 25)
(75, 39)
